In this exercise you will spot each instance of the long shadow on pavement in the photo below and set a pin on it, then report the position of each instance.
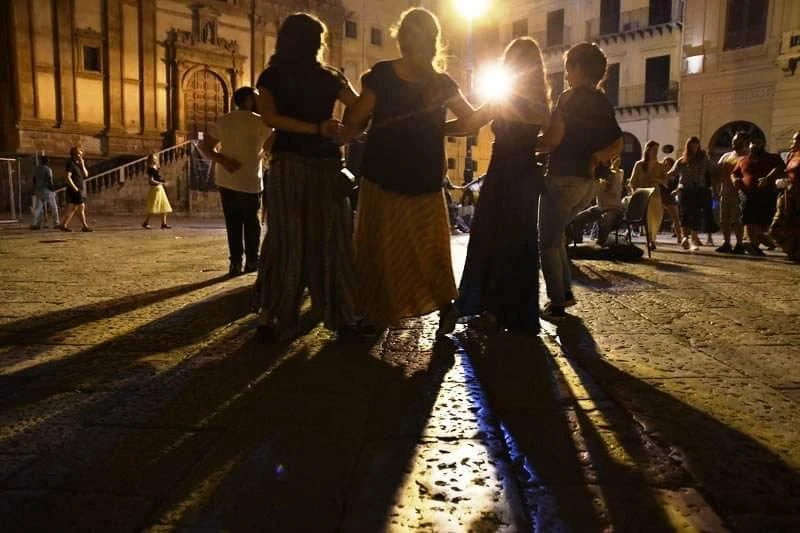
(314, 436)
(40, 328)
(105, 366)
(753, 488)
(570, 478)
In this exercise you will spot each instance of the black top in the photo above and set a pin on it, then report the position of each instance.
(405, 145)
(155, 175)
(77, 173)
(308, 93)
(589, 125)
(513, 151)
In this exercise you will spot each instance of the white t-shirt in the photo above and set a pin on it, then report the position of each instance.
(241, 136)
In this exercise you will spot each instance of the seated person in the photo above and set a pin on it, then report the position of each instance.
(608, 209)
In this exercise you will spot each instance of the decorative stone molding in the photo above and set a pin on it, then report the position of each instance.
(741, 96)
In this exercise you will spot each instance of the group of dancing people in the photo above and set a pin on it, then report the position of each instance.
(755, 190)
(396, 263)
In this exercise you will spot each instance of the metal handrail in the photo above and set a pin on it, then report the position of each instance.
(131, 169)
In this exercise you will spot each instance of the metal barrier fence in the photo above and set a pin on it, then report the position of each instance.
(10, 190)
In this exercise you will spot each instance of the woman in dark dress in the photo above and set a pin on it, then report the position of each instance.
(75, 190)
(309, 238)
(501, 273)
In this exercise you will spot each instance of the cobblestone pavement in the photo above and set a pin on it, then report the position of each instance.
(133, 397)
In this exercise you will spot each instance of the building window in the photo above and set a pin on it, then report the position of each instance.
(350, 29)
(451, 139)
(609, 16)
(612, 84)
(656, 88)
(91, 59)
(472, 140)
(376, 37)
(451, 163)
(746, 23)
(520, 28)
(660, 12)
(555, 28)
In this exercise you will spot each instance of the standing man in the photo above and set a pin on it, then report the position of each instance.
(730, 214)
(754, 178)
(45, 192)
(237, 142)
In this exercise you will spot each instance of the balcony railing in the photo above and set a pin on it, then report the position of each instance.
(553, 41)
(633, 20)
(638, 95)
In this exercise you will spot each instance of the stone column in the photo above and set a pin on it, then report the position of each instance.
(23, 34)
(112, 88)
(149, 107)
(114, 70)
(67, 111)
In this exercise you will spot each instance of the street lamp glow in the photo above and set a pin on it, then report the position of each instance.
(472, 9)
(494, 82)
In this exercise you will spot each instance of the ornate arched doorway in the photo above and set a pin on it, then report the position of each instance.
(205, 100)
(721, 140)
(631, 153)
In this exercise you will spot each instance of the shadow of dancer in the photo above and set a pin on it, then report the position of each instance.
(749, 485)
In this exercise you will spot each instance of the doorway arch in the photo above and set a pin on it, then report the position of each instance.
(721, 140)
(631, 153)
(205, 100)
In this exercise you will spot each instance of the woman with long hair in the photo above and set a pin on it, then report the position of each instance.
(75, 190)
(648, 172)
(402, 241)
(157, 201)
(669, 200)
(582, 138)
(309, 241)
(500, 280)
(693, 170)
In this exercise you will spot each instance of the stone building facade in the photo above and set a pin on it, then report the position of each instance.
(740, 71)
(130, 76)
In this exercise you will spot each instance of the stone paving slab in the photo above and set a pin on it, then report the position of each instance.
(34, 510)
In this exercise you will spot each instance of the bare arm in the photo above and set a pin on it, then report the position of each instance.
(70, 182)
(553, 135)
(273, 119)
(606, 154)
(357, 114)
(209, 148)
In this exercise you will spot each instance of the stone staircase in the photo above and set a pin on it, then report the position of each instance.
(122, 190)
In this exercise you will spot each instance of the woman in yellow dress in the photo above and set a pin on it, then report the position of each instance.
(157, 201)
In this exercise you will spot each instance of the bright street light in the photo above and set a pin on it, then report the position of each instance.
(472, 9)
(494, 82)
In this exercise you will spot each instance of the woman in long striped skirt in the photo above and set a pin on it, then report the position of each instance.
(402, 242)
(309, 220)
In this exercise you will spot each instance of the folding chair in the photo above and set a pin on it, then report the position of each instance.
(636, 213)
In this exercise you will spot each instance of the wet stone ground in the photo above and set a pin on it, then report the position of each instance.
(134, 398)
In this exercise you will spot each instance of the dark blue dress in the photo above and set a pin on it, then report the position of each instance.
(501, 273)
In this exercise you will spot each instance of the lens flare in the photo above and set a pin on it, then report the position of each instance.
(494, 82)
(472, 9)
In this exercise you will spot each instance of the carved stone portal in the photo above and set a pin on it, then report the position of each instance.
(203, 70)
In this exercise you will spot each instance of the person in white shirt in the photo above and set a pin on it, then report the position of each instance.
(237, 143)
